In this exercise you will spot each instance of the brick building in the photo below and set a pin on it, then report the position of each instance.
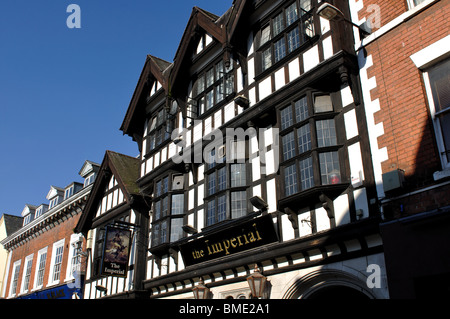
(405, 76)
(45, 252)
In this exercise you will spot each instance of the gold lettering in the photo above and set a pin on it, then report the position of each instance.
(209, 250)
(217, 248)
(226, 245)
(233, 242)
(257, 233)
(251, 237)
(239, 240)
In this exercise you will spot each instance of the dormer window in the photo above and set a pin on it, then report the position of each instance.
(54, 202)
(211, 88)
(285, 33)
(26, 219)
(89, 179)
(40, 210)
(68, 192)
(160, 128)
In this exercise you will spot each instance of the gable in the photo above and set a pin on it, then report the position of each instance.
(114, 187)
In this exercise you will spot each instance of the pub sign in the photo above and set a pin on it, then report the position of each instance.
(250, 234)
(116, 252)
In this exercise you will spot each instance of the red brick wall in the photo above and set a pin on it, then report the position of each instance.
(46, 239)
(389, 9)
(408, 130)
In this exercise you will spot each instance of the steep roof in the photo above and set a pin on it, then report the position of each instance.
(221, 28)
(12, 223)
(155, 68)
(126, 171)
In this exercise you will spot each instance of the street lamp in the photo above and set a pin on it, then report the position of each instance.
(201, 291)
(331, 13)
(259, 204)
(257, 283)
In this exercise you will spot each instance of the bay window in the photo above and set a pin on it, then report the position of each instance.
(168, 211)
(226, 188)
(310, 148)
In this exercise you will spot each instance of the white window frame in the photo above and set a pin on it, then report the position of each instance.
(36, 271)
(425, 59)
(411, 4)
(16, 268)
(74, 239)
(24, 289)
(436, 123)
(56, 245)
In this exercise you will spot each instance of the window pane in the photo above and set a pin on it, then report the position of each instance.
(229, 84)
(305, 4)
(163, 236)
(322, 104)
(165, 184)
(164, 206)
(158, 189)
(286, 118)
(221, 208)
(266, 59)
(219, 70)
(40, 279)
(301, 109)
(177, 204)
(155, 234)
(209, 77)
(211, 183)
(291, 14)
(265, 35)
(306, 173)
(278, 24)
(209, 100)
(238, 177)
(329, 168)
(326, 133)
(440, 85)
(157, 210)
(238, 204)
(220, 92)
(279, 49)
(445, 128)
(222, 179)
(304, 138)
(211, 213)
(176, 230)
(290, 180)
(288, 142)
(293, 40)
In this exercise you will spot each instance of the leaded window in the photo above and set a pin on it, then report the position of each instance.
(285, 32)
(168, 211)
(309, 144)
(210, 88)
(226, 187)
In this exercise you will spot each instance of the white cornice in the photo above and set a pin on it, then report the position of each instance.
(66, 207)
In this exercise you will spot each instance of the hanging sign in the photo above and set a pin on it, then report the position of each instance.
(116, 252)
(250, 234)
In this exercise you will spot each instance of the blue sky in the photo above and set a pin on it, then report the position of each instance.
(64, 92)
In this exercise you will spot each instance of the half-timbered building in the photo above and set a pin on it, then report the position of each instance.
(255, 151)
(115, 206)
